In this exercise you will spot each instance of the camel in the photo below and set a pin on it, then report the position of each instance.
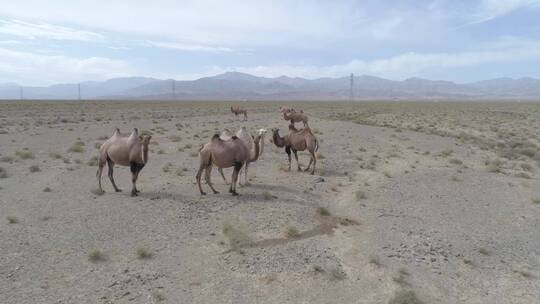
(298, 140)
(293, 116)
(237, 111)
(124, 150)
(244, 135)
(225, 154)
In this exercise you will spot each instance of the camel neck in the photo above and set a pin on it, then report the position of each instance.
(145, 153)
(278, 140)
(255, 154)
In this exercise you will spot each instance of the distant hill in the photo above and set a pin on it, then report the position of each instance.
(235, 85)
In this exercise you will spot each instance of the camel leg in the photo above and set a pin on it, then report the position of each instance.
(135, 169)
(223, 176)
(288, 151)
(310, 162)
(199, 173)
(207, 176)
(234, 178)
(314, 162)
(246, 182)
(296, 157)
(99, 172)
(110, 164)
(245, 116)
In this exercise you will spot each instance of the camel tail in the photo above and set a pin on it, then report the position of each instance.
(316, 145)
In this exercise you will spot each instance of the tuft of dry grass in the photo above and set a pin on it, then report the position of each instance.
(323, 211)
(77, 147)
(536, 200)
(405, 296)
(292, 233)
(267, 196)
(25, 154)
(47, 189)
(374, 260)
(55, 155)
(34, 168)
(236, 236)
(337, 274)
(92, 161)
(143, 253)
(484, 251)
(12, 220)
(96, 256)
(360, 195)
(3, 173)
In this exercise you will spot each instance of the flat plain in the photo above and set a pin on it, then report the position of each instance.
(411, 202)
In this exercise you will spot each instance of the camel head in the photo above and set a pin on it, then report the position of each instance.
(145, 139)
(262, 132)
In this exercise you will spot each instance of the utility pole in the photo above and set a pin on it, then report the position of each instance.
(79, 90)
(174, 89)
(351, 91)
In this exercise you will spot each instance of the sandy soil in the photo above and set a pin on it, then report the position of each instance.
(410, 203)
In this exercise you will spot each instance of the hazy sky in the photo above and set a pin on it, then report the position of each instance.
(44, 42)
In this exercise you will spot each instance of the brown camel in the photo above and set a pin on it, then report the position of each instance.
(237, 111)
(244, 135)
(225, 154)
(124, 150)
(293, 116)
(298, 140)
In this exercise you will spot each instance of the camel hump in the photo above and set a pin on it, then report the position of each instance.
(234, 137)
(215, 137)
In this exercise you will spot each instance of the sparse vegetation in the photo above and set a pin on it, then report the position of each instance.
(34, 168)
(143, 253)
(267, 196)
(92, 161)
(3, 173)
(46, 189)
(12, 220)
(292, 232)
(7, 159)
(25, 154)
(484, 251)
(405, 296)
(374, 260)
(323, 211)
(236, 236)
(96, 256)
(360, 195)
(77, 147)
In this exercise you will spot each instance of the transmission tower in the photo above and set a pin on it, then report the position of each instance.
(351, 91)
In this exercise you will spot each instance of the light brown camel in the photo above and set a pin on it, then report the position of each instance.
(124, 150)
(298, 140)
(244, 135)
(225, 154)
(293, 116)
(237, 111)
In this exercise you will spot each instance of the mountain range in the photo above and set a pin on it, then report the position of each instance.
(241, 86)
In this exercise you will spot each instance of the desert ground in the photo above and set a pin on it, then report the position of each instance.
(410, 203)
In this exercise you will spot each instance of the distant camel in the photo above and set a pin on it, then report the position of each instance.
(298, 140)
(124, 150)
(237, 111)
(225, 154)
(244, 135)
(293, 116)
